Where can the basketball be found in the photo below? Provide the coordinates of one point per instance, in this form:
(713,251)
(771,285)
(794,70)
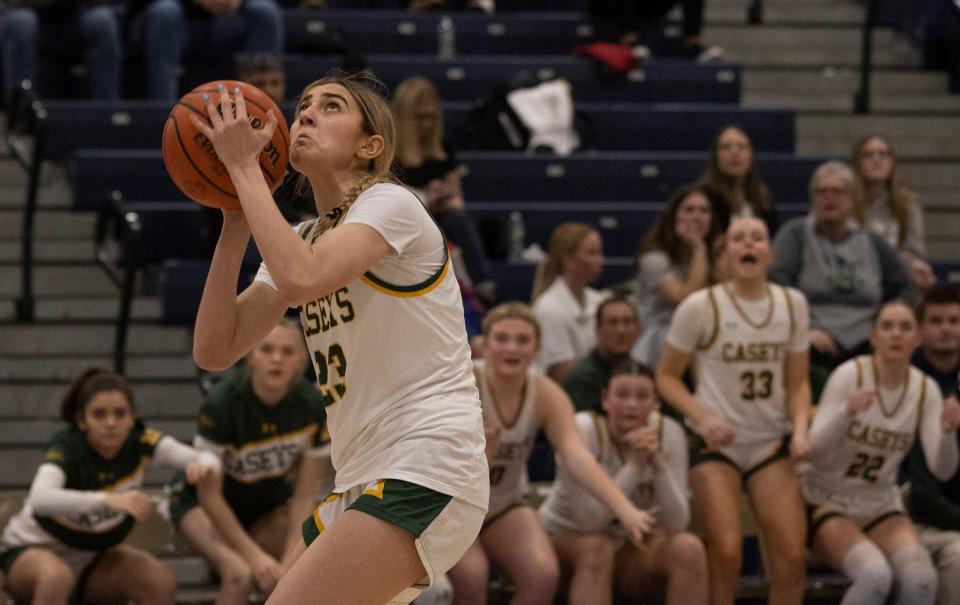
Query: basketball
(191,160)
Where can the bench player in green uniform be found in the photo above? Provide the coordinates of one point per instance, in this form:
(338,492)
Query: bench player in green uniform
(87,496)
(267,424)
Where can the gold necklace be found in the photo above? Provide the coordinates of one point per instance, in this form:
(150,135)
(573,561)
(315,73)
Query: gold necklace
(880,401)
(743,314)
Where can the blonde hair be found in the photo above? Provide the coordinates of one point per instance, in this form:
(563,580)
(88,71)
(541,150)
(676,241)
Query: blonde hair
(410,95)
(899,196)
(511,310)
(564,242)
(377,119)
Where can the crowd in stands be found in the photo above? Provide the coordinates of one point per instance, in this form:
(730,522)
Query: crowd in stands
(640,390)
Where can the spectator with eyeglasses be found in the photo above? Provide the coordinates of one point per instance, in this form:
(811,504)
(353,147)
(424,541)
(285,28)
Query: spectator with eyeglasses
(846,271)
(885,205)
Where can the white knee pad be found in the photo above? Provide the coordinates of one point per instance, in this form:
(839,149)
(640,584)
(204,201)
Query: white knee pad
(915,574)
(870,575)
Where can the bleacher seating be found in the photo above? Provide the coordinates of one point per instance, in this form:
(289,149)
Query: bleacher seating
(653,127)
(139,174)
(469,77)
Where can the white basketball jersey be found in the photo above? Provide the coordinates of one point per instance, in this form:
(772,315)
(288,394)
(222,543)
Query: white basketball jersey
(393,366)
(863,466)
(741,347)
(508,465)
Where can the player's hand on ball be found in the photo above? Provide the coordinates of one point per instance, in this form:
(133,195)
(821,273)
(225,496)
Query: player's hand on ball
(236,142)
(859,401)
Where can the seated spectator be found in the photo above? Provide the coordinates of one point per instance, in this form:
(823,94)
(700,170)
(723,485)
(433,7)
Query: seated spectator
(517,401)
(873,409)
(885,205)
(428,164)
(249,519)
(263,70)
(628,22)
(674,260)
(646,455)
(845,271)
(617,330)
(734,175)
(90,31)
(935,505)
(167,31)
(564,302)
(66,543)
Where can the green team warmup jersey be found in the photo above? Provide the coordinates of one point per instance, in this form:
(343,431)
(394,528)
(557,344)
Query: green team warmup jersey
(259,444)
(86,470)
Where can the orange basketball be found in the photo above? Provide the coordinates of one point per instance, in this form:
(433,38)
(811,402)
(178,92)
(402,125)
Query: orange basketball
(191,160)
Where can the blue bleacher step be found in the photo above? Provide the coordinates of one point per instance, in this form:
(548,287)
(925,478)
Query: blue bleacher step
(468,77)
(169,399)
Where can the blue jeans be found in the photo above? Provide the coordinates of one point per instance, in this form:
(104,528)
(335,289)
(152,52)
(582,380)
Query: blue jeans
(95,29)
(167,36)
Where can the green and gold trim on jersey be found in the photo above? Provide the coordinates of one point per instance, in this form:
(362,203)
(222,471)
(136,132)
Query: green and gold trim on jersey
(267,458)
(420,289)
(85,470)
(859,361)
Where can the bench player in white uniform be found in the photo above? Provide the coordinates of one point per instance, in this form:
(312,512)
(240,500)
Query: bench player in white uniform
(646,454)
(87,495)
(382,315)
(746,341)
(519,400)
(872,409)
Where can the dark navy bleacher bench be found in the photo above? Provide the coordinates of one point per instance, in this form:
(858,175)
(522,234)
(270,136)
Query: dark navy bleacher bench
(611,175)
(621,224)
(492,176)
(660,127)
(72,125)
(469,77)
(402,32)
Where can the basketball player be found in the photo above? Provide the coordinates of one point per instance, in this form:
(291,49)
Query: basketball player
(518,401)
(646,454)
(872,409)
(267,424)
(382,316)
(66,543)
(747,342)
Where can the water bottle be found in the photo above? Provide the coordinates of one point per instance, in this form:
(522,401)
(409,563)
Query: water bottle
(516,234)
(446,39)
